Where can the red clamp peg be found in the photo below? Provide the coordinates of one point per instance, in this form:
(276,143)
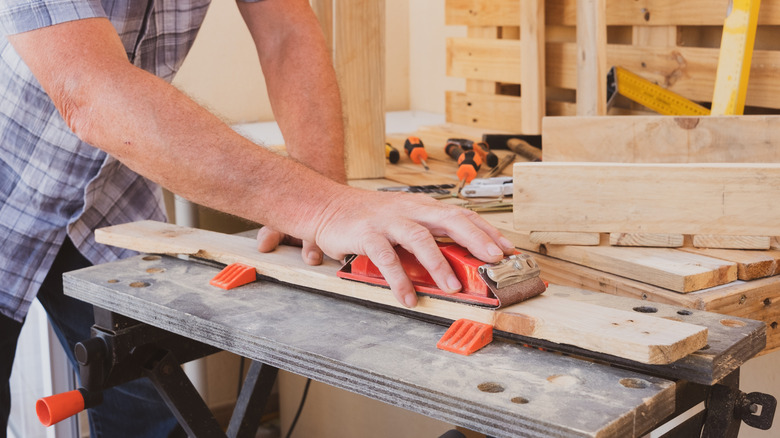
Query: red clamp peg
(234,275)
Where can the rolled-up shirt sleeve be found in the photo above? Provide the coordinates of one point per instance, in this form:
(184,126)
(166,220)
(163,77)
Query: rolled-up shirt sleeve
(17,16)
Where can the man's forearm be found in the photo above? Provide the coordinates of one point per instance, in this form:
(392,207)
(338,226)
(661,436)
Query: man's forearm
(301,83)
(159,132)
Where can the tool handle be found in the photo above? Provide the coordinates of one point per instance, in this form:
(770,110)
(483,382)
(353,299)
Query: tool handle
(392,153)
(488,157)
(469,163)
(415,150)
(453,150)
(525,150)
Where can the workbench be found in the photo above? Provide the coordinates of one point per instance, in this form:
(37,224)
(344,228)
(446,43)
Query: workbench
(505,389)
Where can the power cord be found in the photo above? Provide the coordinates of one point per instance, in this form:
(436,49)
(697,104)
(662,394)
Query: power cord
(300,408)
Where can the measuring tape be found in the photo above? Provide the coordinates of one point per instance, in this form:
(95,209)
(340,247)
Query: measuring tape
(736,53)
(653,96)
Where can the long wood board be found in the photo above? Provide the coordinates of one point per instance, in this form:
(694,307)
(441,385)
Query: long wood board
(719,198)
(631,335)
(662,139)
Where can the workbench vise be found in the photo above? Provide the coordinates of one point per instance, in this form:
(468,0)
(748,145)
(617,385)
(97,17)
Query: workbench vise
(119,351)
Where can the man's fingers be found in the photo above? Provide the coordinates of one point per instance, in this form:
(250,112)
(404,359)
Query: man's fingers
(474,233)
(311,253)
(419,241)
(382,254)
(268,239)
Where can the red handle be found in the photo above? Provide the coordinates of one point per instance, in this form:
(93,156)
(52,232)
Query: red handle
(57,407)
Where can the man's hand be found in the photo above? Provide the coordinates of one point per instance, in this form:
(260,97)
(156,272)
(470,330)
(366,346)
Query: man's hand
(372,223)
(268,239)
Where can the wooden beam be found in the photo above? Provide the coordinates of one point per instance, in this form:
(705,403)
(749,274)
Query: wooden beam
(532,74)
(720,198)
(489,111)
(358,50)
(591,57)
(730,242)
(630,335)
(664,267)
(750,264)
(648,139)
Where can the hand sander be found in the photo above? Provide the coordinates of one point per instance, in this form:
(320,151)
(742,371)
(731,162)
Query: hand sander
(495,285)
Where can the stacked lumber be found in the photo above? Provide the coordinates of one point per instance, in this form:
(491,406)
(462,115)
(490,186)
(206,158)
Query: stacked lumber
(741,283)
(672,43)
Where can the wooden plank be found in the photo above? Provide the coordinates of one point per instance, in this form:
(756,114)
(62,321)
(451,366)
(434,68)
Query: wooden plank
(488,111)
(646,239)
(635,336)
(481,85)
(359,59)
(732,199)
(730,242)
(532,74)
(485,59)
(758,299)
(619,12)
(656,139)
(664,267)
(564,238)
(750,264)
(591,57)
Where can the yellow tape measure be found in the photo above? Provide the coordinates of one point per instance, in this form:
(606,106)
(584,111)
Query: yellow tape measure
(736,53)
(653,96)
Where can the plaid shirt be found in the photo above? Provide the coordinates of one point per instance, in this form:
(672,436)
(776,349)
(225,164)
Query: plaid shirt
(51,183)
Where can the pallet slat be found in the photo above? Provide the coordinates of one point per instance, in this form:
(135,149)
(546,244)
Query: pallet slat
(726,199)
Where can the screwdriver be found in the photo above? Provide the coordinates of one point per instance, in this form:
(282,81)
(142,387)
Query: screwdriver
(488,157)
(392,153)
(416,151)
(469,162)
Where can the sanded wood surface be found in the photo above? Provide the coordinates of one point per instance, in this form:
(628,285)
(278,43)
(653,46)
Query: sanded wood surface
(502,390)
(646,239)
(633,336)
(662,139)
(729,199)
(665,267)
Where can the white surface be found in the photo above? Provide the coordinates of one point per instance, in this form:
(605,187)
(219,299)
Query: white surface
(396,122)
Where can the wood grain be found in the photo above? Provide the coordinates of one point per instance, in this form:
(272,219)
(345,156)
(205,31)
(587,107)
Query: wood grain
(631,335)
(727,199)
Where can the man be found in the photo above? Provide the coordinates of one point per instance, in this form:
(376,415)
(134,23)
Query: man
(86,106)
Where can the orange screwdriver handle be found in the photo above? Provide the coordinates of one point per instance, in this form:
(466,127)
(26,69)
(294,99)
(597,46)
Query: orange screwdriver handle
(415,150)
(469,163)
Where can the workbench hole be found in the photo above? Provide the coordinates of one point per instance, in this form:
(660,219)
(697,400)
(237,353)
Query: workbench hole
(563,380)
(645,309)
(112,281)
(491,387)
(155,270)
(684,312)
(151,258)
(139,284)
(632,382)
(732,323)
(519,400)
(767,301)
(773,325)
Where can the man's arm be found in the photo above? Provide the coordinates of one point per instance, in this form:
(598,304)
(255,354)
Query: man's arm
(157,131)
(303,92)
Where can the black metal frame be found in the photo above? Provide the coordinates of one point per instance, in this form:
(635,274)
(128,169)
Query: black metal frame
(122,349)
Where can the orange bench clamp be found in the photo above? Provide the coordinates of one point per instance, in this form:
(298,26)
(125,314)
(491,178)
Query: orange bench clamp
(234,275)
(465,337)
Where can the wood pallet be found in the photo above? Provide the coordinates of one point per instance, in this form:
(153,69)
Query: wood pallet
(672,43)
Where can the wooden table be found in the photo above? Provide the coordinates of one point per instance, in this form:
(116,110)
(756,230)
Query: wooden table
(505,389)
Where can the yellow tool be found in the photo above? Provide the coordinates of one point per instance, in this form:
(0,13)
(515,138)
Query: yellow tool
(736,53)
(653,96)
